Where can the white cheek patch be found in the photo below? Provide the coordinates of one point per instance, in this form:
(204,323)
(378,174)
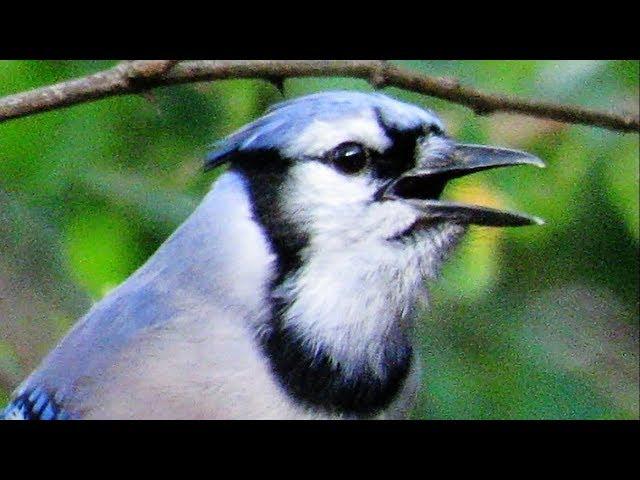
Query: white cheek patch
(338,211)
(321,136)
(315,184)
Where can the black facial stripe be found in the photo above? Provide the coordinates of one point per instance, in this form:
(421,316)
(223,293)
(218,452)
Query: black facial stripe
(401,156)
(311,378)
(398,158)
(266,173)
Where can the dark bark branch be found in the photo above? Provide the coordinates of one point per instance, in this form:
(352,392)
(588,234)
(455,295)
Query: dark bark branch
(141,75)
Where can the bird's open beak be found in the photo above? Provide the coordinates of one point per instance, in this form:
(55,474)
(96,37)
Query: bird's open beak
(421,187)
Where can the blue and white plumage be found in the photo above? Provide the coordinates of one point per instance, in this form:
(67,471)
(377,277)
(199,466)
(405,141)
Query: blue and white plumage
(290,291)
(284,125)
(34,404)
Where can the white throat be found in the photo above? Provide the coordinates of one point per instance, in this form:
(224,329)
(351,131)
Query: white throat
(356,291)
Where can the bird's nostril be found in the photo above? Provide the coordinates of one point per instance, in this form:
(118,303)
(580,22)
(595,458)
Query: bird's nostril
(421,188)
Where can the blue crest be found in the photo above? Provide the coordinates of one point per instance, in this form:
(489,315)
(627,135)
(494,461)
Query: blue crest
(284,121)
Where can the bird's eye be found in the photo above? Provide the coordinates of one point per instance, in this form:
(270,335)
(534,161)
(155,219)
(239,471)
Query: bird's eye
(349,157)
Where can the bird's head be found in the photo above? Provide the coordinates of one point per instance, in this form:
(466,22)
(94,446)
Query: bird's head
(349,171)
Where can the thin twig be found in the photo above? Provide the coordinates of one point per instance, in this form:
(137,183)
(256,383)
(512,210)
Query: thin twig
(142,75)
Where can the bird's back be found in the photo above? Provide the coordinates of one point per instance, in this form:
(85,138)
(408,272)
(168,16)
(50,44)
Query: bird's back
(175,340)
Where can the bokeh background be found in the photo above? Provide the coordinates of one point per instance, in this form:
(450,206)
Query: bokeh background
(538,322)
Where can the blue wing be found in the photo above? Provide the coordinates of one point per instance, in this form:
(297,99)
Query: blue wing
(34,404)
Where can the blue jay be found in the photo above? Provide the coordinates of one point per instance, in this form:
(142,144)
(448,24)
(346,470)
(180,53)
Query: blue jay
(291,291)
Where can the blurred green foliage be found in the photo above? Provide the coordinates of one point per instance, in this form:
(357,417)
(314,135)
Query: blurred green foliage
(525,323)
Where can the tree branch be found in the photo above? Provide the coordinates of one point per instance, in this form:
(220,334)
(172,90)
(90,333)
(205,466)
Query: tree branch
(142,75)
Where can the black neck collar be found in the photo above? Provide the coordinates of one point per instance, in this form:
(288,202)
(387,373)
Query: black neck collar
(313,378)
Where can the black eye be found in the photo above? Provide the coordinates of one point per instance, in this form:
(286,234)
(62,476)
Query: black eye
(349,157)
